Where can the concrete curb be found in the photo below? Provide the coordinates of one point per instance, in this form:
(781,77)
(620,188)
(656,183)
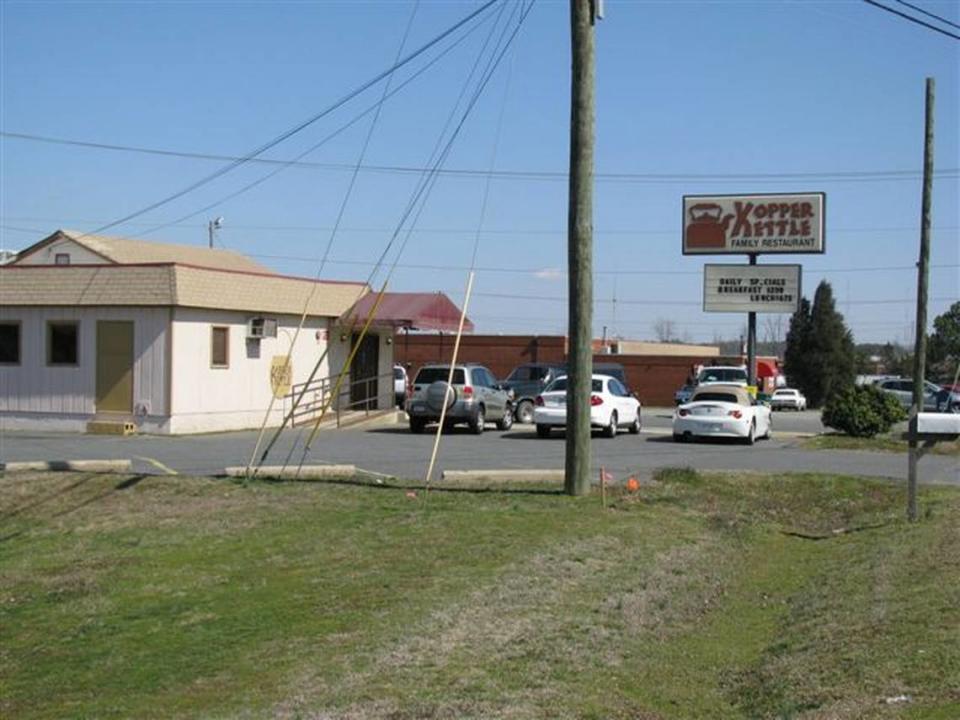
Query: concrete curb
(307,472)
(69,466)
(502,476)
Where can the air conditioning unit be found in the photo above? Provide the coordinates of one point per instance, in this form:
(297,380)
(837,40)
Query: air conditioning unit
(260,327)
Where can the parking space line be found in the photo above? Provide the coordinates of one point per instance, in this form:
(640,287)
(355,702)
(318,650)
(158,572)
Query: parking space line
(159,465)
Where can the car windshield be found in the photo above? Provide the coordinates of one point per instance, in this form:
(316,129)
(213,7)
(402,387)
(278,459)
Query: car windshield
(786,392)
(397,374)
(715,397)
(429,375)
(722,375)
(560,385)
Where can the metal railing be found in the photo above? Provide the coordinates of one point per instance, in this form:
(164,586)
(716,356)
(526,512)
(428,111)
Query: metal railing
(380,397)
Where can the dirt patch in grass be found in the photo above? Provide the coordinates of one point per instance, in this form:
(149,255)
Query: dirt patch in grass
(882,443)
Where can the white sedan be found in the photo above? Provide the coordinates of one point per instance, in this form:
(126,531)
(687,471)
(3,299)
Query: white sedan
(611,407)
(722,411)
(787,398)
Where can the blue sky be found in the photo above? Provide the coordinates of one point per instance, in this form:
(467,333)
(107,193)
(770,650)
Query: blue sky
(816,90)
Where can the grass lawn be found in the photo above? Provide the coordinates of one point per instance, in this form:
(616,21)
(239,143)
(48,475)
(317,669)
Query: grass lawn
(887,443)
(705,596)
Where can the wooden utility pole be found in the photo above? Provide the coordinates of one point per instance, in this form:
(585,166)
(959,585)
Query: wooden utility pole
(920,345)
(580,250)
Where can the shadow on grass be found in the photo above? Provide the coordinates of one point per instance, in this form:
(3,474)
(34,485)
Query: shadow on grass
(122,485)
(400,484)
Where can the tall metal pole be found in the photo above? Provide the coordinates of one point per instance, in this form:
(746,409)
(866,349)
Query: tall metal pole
(580,250)
(752,340)
(920,345)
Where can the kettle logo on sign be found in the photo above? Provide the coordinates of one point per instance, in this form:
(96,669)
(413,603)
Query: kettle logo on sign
(705,229)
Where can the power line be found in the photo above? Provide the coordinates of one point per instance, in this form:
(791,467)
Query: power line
(375,108)
(912,19)
(549,175)
(433,267)
(300,126)
(659,302)
(929,14)
(440,230)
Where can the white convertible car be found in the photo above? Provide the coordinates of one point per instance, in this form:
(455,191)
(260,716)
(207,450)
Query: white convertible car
(722,411)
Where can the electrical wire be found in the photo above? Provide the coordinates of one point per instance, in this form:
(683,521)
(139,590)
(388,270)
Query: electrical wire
(300,126)
(610,177)
(929,14)
(912,19)
(420,197)
(375,108)
(420,193)
(463,231)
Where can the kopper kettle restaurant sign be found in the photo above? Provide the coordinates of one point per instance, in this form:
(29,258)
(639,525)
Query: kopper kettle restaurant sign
(751,288)
(719,224)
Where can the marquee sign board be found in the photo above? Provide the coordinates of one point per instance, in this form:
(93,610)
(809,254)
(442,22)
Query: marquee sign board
(727,224)
(751,288)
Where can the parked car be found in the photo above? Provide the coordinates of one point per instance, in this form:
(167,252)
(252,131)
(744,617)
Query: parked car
(725,374)
(400,384)
(718,410)
(683,395)
(935,398)
(788,399)
(473,398)
(527,381)
(612,406)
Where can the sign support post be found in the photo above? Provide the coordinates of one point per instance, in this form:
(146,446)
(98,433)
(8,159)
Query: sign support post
(752,340)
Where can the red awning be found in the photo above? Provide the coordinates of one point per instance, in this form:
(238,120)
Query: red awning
(417,311)
(766,369)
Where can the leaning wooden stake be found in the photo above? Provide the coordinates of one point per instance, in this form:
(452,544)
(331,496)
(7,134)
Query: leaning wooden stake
(453,363)
(603,487)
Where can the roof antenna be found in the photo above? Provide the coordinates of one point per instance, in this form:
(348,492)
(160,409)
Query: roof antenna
(211,226)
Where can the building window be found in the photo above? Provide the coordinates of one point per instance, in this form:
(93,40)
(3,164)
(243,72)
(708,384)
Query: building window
(62,340)
(9,343)
(219,347)
(62,259)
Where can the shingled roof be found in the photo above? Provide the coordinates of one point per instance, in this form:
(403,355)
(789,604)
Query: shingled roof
(141,273)
(130,251)
(169,284)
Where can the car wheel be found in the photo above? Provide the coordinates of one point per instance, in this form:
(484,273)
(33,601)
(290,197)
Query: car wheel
(525,412)
(417,426)
(751,434)
(543,431)
(611,429)
(635,425)
(476,425)
(506,422)
(677,437)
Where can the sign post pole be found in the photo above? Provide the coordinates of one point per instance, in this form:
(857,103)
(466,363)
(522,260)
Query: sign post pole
(752,340)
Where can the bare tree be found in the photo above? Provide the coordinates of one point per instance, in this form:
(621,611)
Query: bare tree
(773,328)
(665,330)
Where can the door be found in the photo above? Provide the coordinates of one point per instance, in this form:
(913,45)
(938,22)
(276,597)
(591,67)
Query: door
(363,373)
(494,400)
(114,366)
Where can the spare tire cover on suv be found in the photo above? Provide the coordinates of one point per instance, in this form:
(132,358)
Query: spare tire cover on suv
(437,392)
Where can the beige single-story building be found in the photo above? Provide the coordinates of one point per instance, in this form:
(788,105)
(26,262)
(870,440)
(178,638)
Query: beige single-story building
(173,338)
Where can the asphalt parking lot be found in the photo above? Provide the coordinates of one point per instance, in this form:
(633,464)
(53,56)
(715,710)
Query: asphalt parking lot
(393,450)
